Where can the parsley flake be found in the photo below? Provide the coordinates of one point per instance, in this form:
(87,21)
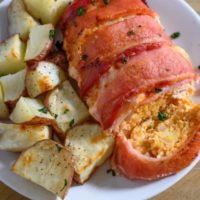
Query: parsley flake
(71,123)
(66,111)
(162,116)
(158,90)
(55,116)
(111,171)
(81,11)
(175,35)
(43,110)
(58,147)
(199,67)
(65,184)
(124,60)
(130,33)
(52,34)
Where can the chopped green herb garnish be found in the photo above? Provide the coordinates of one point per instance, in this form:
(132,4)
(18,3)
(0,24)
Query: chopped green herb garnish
(199,67)
(52,34)
(175,35)
(162,116)
(59,45)
(158,90)
(43,110)
(84,57)
(65,184)
(81,11)
(55,116)
(130,33)
(106,2)
(66,111)
(58,147)
(124,60)
(111,171)
(71,123)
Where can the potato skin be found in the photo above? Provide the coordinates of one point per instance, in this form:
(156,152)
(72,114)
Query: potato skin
(134,165)
(32,64)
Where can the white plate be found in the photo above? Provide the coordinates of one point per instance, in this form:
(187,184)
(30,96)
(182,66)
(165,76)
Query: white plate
(175,15)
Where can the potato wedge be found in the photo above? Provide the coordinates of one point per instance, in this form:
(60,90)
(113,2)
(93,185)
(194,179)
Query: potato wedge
(30,111)
(43,78)
(12,55)
(19,20)
(48,11)
(68,109)
(17,138)
(40,43)
(13,86)
(90,147)
(47,164)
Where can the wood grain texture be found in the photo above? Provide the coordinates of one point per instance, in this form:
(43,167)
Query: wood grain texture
(186,189)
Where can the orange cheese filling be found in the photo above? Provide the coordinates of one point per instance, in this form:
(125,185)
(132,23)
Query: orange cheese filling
(160,128)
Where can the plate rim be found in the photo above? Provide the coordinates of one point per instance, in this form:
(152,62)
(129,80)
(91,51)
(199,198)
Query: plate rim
(182,173)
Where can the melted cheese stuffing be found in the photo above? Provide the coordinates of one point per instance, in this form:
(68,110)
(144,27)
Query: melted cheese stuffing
(156,138)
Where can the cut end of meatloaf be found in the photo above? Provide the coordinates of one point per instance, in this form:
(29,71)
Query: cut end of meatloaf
(159,129)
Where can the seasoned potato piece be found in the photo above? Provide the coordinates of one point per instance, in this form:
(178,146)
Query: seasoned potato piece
(13,85)
(18,138)
(90,147)
(19,19)
(39,43)
(47,164)
(30,111)
(43,78)
(4,113)
(48,11)
(67,108)
(12,55)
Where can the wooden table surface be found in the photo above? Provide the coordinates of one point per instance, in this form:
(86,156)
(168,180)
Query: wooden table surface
(186,189)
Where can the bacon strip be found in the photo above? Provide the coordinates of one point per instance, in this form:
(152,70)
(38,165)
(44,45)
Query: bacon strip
(141,73)
(134,165)
(73,25)
(91,74)
(115,38)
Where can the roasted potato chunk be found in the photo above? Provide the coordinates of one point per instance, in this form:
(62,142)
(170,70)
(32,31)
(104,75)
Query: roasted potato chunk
(47,11)
(12,55)
(43,78)
(30,111)
(13,86)
(47,164)
(90,147)
(18,138)
(68,109)
(20,22)
(40,43)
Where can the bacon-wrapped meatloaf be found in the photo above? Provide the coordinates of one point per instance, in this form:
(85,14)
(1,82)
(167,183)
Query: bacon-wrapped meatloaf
(136,83)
